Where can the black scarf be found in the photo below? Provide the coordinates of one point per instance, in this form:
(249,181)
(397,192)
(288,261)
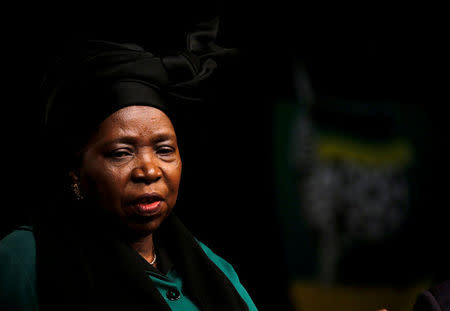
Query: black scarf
(79,268)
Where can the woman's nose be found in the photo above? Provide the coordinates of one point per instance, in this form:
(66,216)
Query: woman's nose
(146,171)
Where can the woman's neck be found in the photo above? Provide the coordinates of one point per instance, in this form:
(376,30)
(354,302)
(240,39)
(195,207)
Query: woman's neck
(145,247)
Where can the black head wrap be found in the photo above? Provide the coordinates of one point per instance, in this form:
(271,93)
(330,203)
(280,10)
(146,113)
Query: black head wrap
(79,268)
(92,80)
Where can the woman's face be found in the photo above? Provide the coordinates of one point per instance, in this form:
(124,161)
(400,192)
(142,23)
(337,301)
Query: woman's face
(132,167)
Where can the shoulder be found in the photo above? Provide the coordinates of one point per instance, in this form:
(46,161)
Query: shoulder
(230,273)
(437,298)
(20,239)
(18,248)
(18,270)
(221,263)
(19,245)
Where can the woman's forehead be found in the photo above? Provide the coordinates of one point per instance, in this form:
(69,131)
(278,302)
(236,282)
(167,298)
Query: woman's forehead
(136,121)
(136,117)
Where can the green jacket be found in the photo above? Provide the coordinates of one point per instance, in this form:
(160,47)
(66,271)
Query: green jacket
(18,276)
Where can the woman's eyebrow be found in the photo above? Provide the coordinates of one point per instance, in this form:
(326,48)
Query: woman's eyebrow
(163,137)
(131,140)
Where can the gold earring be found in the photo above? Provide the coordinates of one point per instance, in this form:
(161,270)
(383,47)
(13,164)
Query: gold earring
(76,191)
(76,186)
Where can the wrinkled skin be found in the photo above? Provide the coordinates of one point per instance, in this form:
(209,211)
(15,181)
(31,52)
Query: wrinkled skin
(133,153)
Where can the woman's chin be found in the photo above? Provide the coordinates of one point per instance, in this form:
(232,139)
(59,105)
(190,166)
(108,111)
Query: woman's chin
(144,226)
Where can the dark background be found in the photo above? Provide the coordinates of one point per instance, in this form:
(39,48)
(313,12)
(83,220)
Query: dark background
(228,188)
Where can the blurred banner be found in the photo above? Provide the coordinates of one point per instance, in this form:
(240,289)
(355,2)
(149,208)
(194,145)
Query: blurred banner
(348,174)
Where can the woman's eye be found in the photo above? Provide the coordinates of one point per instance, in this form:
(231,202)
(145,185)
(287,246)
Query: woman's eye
(120,153)
(166,150)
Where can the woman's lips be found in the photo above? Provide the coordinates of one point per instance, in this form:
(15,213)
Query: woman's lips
(147,204)
(147,209)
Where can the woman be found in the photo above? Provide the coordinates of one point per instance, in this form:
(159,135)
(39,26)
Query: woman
(108,239)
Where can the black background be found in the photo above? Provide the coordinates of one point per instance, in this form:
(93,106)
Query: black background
(228,196)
